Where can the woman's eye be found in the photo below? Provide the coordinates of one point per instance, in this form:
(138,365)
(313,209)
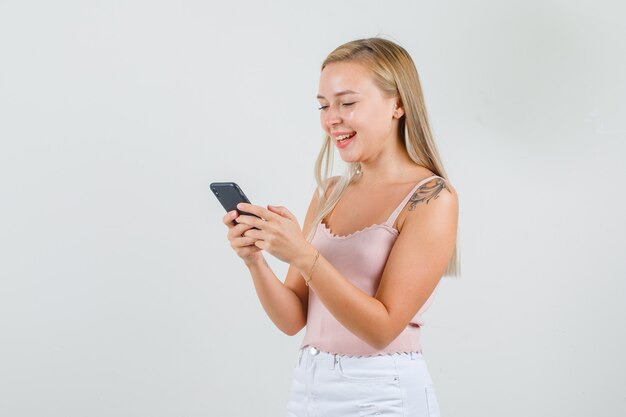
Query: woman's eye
(343,104)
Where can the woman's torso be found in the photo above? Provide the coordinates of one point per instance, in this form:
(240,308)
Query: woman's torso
(356,237)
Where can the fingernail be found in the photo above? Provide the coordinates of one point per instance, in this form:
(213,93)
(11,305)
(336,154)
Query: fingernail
(233,214)
(240,206)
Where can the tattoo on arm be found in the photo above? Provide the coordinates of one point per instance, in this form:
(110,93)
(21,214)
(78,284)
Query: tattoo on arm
(427,193)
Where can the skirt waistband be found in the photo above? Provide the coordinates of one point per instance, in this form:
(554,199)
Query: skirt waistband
(321,354)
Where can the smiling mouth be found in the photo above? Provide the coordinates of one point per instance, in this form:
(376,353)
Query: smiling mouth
(344,138)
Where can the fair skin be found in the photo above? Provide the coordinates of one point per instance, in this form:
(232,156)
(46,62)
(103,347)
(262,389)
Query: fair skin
(427,226)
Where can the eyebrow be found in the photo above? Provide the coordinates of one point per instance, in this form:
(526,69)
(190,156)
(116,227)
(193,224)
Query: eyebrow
(341,93)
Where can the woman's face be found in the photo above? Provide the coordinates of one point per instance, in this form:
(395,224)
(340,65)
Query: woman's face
(352,106)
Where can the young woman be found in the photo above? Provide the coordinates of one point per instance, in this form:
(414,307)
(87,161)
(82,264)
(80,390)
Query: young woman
(375,243)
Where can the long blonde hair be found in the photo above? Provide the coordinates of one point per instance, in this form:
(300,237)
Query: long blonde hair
(395,74)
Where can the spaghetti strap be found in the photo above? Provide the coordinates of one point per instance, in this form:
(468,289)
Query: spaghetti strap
(398,209)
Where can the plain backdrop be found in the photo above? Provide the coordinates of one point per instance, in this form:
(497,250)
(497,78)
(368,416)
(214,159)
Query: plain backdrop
(119,293)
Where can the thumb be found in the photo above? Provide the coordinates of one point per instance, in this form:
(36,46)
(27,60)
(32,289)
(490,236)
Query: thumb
(282,211)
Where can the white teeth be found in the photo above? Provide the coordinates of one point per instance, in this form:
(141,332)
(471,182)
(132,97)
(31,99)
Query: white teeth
(342,137)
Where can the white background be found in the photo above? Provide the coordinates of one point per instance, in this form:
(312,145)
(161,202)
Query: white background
(119,293)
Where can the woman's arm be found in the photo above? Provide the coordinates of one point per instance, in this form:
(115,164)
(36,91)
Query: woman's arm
(285,304)
(282,305)
(415,265)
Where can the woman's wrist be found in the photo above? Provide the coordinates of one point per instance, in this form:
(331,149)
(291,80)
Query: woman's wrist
(306,258)
(255,262)
(309,276)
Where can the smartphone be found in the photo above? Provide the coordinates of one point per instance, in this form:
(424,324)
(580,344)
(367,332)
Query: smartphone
(229,195)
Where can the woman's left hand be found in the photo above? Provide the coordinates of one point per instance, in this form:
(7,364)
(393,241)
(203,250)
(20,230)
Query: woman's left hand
(279,232)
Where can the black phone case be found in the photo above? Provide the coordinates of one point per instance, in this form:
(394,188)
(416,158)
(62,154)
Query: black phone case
(229,195)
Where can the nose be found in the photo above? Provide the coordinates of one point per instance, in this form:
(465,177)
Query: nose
(331,116)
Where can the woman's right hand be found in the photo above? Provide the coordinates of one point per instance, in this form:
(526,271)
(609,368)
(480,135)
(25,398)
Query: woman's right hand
(243,245)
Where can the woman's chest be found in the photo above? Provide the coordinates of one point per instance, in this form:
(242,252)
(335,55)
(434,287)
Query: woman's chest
(360,257)
(358,209)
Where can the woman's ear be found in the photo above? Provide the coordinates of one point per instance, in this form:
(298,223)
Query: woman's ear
(398,111)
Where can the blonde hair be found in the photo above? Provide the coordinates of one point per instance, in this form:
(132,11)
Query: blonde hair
(395,74)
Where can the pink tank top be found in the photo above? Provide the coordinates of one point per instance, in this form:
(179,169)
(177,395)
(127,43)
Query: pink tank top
(360,257)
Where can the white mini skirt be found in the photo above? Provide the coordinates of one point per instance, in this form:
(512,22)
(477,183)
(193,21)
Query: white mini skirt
(329,385)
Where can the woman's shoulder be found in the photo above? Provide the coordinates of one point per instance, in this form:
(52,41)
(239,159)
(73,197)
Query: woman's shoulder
(434,179)
(444,183)
(434,187)
(435,200)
